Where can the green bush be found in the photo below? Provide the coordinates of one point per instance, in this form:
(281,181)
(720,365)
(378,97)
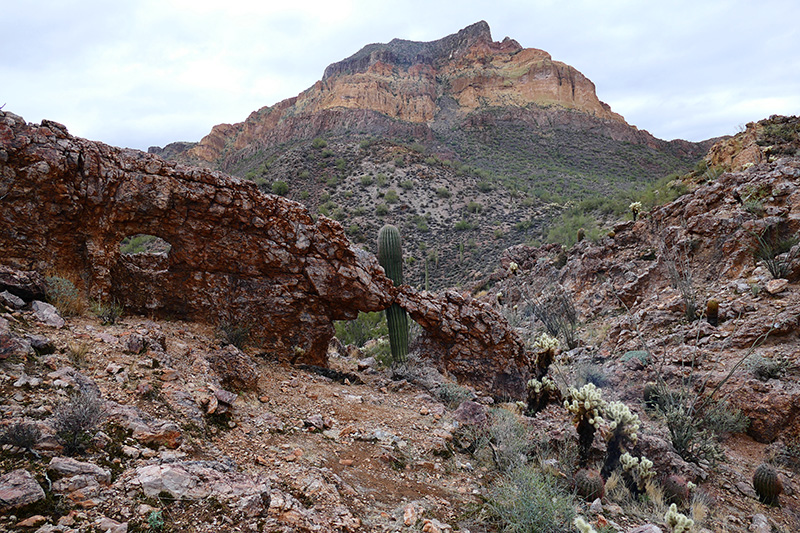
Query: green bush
(442,192)
(391,197)
(366,180)
(474,207)
(280,188)
(382,179)
(381,210)
(463,225)
(530,500)
(565,230)
(407,185)
(63,294)
(365,327)
(327,152)
(319,143)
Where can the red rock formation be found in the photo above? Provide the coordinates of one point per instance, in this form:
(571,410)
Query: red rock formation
(237,255)
(457,329)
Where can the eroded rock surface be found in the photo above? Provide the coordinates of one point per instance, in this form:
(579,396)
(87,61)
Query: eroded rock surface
(457,328)
(237,256)
(69,202)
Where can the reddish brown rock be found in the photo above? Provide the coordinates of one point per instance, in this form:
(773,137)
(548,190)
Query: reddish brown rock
(396,89)
(19,488)
(236,252)
(27,285)
(233,368)
(470,340)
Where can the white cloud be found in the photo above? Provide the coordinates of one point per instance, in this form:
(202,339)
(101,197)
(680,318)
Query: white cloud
(151,72)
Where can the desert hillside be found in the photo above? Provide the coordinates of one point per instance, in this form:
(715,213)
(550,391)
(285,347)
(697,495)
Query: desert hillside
(195,388)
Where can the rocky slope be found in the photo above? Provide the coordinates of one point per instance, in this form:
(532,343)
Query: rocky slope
(198,436)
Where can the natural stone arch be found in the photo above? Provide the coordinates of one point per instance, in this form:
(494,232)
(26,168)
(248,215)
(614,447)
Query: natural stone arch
(237,254)
(236,251)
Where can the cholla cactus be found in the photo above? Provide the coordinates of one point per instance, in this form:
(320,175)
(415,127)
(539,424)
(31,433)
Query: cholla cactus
(636,208)
(540,393)
(583,526)
(679,523)
(546,343)
(586,405)
(622,426)
(545,348)
(636,472)
(513,267)
(621,421)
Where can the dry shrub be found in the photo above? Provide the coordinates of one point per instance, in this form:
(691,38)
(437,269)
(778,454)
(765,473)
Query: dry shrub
(61,291)
(75,419)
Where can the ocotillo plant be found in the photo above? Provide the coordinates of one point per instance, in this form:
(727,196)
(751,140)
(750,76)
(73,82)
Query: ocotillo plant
(390,256)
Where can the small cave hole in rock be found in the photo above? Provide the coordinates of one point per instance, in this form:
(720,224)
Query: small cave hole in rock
(144,244)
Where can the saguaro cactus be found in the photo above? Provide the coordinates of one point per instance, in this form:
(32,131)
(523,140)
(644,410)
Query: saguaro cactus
(390,256)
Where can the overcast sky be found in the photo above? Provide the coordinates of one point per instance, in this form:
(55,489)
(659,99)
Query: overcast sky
(138,73)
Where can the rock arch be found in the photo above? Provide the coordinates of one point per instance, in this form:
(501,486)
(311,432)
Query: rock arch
(237,254)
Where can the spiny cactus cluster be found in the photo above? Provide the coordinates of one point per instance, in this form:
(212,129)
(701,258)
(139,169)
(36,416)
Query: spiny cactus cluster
(636,471)
(589,484)
(546,384)
(545,348)
(622,427)
(540,393)
(636,208)
(621,421)
(677,522)
(767,484)
(546,343)
(586,405)
(583,526)
(390,257)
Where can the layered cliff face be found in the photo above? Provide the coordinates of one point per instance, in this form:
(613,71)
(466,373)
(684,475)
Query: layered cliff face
(415,84)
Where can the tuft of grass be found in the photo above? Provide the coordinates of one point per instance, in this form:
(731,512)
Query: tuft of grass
(530,500)
(77,352)
(235,334)
(453,394)
(62,293)
(22,435)
(107,312)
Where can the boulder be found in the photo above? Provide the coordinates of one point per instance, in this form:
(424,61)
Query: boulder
(68,467)
(204,479)
(47,314)
(26,285)
(470,340)
(19,488)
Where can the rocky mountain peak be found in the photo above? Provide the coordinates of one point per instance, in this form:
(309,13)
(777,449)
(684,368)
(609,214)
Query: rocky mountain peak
(405,53)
